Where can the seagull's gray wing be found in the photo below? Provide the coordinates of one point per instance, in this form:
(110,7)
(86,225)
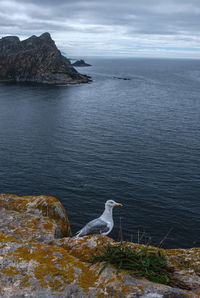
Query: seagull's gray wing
(96,226)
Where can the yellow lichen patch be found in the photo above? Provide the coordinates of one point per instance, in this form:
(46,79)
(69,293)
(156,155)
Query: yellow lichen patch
(54,262)
(11,271)
(5,238)
(25,282)
(87,278)
(17,231)
(126,289)
(141,288)
(48,226)
(57,285)
(35,222)
(6,196)
(100,295)
(2,246)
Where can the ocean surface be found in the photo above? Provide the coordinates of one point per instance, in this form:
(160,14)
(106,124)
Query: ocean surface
(135,141)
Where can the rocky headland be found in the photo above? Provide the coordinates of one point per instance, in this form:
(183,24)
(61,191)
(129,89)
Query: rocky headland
(80,63)
(39,258)
(36,59)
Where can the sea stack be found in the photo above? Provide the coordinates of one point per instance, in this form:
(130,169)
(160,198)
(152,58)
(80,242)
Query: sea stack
(81,63)
(36,59)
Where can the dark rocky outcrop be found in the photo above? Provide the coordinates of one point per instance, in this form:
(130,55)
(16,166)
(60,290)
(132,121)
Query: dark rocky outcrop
(80,63)
(36,59)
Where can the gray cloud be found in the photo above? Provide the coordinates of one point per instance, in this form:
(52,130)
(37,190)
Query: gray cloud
(123,25)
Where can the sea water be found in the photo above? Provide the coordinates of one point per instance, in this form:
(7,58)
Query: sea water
(132,135)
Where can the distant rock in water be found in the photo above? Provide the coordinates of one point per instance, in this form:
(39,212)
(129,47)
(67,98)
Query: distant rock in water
(125,79)
(80,63)
(36,59)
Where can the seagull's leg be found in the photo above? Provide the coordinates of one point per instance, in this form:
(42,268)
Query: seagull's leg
(101,235)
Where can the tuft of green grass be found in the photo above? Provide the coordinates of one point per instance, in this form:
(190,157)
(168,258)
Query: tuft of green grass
(142,263)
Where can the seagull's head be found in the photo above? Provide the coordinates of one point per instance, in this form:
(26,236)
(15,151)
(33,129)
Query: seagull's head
(110,204)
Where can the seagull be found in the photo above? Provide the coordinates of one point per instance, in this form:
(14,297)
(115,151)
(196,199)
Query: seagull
(101,225)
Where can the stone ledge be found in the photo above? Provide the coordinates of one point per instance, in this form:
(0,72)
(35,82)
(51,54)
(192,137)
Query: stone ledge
(34,262)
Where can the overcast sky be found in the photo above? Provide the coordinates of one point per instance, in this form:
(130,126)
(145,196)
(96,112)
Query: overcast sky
(150,28)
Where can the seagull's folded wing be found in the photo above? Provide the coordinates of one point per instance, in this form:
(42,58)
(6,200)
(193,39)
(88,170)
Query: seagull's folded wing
(96,226)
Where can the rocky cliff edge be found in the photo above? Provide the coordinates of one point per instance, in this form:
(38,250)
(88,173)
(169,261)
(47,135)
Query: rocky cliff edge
(38,258)
(36,59)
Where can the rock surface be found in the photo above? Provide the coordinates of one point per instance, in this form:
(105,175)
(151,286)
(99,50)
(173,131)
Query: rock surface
(36,59)
(33,218)
(81,63)
(35,263)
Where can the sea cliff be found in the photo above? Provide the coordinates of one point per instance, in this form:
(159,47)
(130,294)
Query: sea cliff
(36,59)
(39,258)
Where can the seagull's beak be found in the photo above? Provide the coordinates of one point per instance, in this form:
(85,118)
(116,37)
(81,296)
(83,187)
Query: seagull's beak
(118,204)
